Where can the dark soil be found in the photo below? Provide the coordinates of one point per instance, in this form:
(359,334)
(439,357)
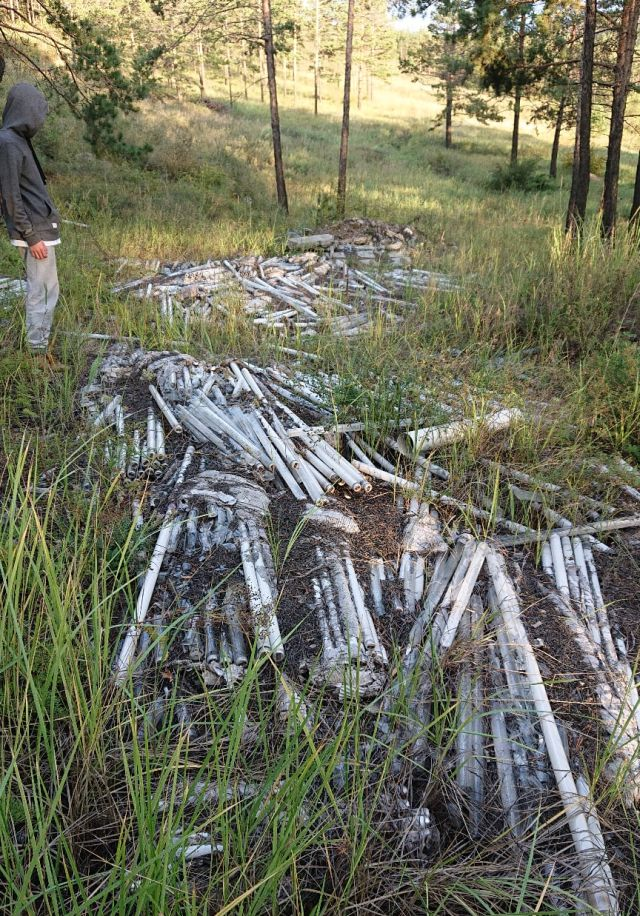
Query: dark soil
(620,580)
(380,524)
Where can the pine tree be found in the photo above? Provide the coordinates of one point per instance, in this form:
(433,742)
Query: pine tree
(577,208)
(346,108)
(627,36)
(555,96)
(510,52)
(269,53)
(443,57)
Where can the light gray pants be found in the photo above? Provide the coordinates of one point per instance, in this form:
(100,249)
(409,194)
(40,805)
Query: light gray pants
(42,297)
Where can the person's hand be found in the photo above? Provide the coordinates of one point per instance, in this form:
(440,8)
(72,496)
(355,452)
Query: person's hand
(39,251)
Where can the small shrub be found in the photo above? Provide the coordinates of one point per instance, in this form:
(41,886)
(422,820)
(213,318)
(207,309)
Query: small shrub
(611,396)
(325,207)
(598,162)
(440,164)
(518,176)
(177,157)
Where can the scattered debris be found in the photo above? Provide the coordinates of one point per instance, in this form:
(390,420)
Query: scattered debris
(300,292)
(368,240)
(216,105)
(309,242)
(225,450)
(426,440)
(10,287)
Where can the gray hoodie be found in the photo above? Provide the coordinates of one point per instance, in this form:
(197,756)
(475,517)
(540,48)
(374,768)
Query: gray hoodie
(26,206)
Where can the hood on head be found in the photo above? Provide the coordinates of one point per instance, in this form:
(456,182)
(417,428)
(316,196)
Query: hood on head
(25,110)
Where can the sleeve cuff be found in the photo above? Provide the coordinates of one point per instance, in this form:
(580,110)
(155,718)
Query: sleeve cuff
(32,239)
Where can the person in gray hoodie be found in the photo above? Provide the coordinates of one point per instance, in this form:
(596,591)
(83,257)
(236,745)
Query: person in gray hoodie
(31,218)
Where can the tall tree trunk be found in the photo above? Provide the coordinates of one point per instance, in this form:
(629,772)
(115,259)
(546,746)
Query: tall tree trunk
(344,139)
(448,112)
(634,215)
(201,70)
(245,81)
(372,57)
(517,101)
(175,78)
(515,133)
(228,69)
(553,165)
(579,193)
(621,76)
(316,60)
(285,79)
(294,66)
(261,65)
(269,54)
(359,102)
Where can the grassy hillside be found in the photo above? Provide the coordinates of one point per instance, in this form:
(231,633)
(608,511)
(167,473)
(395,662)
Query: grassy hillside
(535,321)
(208,191)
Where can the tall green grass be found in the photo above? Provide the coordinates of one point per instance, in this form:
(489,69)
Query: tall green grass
(536,322)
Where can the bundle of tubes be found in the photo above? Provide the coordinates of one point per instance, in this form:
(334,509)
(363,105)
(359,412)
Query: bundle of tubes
(353,657)
(10,287)
(251,416)
(576,594)
(505,718)
(212,510)
(420,279)
(247,439)
(135,452)
(243,413)
(595,882)
(294,293)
